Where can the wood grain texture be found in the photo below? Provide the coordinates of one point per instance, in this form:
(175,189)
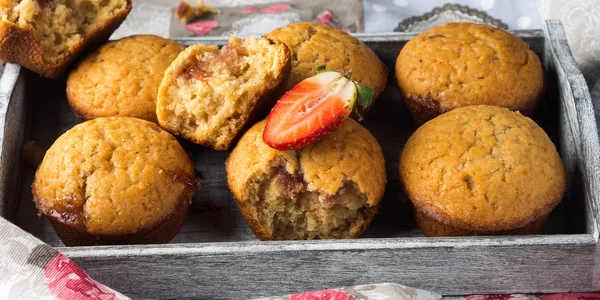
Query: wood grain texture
(215,256)
(575,97)
(12,120)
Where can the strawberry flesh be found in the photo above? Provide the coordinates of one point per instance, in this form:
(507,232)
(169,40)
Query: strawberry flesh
(310,110)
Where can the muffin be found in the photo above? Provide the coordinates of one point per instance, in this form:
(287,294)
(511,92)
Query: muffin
(121,78)
(208,95)
(313,44)
(45,36)
(327,190)
(115,181)
(462,64)
(481,170)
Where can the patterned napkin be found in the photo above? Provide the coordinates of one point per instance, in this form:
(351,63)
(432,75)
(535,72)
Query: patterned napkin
(371,291)
(30,269)
(565,296)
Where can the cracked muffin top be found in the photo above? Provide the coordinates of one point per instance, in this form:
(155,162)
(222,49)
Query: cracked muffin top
(114,176)
(482,168)
(350,154)
(121,78)
(313,44)
(461,64)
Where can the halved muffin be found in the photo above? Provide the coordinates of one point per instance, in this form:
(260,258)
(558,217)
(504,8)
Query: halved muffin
(207,95)
(45,36)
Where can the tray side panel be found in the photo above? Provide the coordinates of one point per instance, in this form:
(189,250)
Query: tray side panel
(12,128)
(449,271)
(580,121)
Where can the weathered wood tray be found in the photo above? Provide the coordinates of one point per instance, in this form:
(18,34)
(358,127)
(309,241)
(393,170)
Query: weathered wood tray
(216,256)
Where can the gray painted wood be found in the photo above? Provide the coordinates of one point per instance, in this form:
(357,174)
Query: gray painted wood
(12,120)
(216,256)
(577,103)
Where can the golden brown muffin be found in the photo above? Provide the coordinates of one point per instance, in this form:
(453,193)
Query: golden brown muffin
(461,64)
(121,78)
(45,36)
(330,189)
(115,181)
(313,44)
(208,95)
(481,170)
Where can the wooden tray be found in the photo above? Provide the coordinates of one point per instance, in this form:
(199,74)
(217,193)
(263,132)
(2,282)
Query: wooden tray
(216,256)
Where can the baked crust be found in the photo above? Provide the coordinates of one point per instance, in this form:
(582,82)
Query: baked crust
(432,227)
(482,169)
(313,44)
(462,64)
(121,78)
(18,45)
(115,180)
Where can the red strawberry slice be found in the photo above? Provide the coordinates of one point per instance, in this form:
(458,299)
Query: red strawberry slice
(313,108)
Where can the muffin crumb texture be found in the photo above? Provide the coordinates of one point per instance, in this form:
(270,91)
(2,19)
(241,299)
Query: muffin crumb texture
(330,189)
(208,95)
(59,28)
(112,178)
(482,168)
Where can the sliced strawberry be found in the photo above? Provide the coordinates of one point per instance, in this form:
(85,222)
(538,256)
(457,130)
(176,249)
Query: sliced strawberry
(313,108)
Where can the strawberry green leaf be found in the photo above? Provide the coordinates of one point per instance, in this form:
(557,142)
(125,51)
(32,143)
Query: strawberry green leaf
(365,99)
(321,68)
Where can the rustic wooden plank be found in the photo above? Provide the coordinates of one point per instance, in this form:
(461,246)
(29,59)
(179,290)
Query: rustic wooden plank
(12,120)
(449,270)
(575,97)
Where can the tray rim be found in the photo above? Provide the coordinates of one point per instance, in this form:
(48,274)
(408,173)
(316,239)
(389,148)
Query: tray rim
(364,37)
(362,244)
(575,80)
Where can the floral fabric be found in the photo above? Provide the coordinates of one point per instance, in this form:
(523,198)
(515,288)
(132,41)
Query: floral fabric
(30,269)
(364,292)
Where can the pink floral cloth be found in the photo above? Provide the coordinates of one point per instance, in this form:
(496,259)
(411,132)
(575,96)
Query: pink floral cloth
(564,296)
(364,292)
(322,295)
(30,269)
(66,280)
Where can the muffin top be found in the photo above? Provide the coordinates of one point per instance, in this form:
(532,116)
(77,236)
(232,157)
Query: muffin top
(121,78)
(350,154)
(313,44)
(114,176)
(482,168)
(461,64)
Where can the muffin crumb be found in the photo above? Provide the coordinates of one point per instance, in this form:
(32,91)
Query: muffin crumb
(45,36)
(207,95)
